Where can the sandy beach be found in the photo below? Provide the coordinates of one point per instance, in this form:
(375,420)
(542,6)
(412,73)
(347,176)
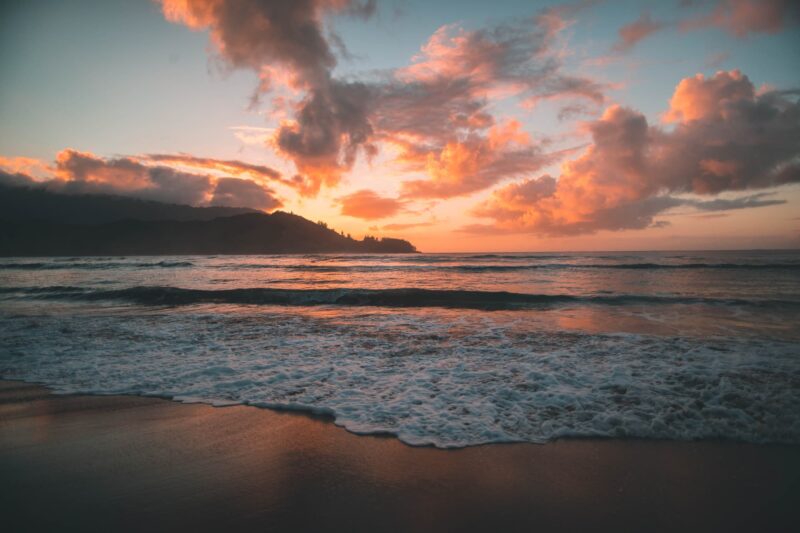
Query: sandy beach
(132,463)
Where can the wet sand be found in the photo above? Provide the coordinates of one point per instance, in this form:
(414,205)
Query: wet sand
(130,463)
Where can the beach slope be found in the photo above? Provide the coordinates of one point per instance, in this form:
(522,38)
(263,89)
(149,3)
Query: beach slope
(131,463)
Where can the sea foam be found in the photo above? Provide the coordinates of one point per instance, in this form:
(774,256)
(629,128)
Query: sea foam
(432,377)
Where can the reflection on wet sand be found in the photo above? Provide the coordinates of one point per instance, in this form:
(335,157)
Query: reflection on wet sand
(128,462)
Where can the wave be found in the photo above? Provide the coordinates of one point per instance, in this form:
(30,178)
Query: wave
(414,377)
(648,266)
(57,265)
(625,266)
(425,266)
(480,268)
(404,297)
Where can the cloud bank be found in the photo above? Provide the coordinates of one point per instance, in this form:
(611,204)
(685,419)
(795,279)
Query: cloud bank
(726,137)
(436,114)
(76,172)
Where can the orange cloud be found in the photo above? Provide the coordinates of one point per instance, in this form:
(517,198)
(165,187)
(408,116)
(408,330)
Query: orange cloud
(433,110)
(401,227)
(28,165)
(368,205)
(123,174)
(475,163)
(436,112)
(697,97)
(727,138)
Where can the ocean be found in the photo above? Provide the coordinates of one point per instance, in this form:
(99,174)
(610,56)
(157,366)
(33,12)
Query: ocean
(449,350)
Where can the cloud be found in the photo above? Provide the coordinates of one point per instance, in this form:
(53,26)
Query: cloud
(25,165)
(83,172)
(19,171)
(243,193)
(743,202)
(76,172)
(632,33)
(260,173)
(743,17)
(740,18)
(401,227)
(459,72)
(727,137)
(701,98)
(16,179)
(472,164)
(285,42)
(253,135)
(711,215)
(429,111)
(437,112)
(368,205)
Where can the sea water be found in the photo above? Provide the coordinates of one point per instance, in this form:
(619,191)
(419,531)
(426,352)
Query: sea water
(442,349)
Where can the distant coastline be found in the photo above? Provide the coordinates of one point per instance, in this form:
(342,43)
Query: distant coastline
(39,223)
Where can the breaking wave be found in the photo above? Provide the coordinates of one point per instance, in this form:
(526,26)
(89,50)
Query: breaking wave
(404,297)
(94,265)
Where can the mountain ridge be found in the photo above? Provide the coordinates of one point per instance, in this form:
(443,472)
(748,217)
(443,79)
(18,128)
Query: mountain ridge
(39,232)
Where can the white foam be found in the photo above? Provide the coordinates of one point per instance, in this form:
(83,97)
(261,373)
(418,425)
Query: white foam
(433,376)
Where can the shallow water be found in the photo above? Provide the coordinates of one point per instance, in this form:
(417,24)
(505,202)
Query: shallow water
(443,349)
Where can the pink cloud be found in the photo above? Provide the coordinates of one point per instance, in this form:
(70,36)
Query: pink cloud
(740,18)
(286,42)
(697,97)
(431,110)
(743,17)
(727,138)
(631,34)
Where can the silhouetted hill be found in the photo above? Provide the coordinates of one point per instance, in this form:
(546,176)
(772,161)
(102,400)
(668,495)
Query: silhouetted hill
(39,204)
(251,233)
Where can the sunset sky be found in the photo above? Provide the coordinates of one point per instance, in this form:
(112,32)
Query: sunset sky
(459,125)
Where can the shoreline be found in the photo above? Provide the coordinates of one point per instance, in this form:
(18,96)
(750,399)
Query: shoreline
(133,463)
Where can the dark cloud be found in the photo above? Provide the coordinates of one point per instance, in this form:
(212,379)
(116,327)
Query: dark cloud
(260,173)
(16,179)
(243,193)
(78,172)
(286,41)
(227,165)
(82,173)
(329,128)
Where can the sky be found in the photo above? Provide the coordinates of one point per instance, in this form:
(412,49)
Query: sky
(458,125)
